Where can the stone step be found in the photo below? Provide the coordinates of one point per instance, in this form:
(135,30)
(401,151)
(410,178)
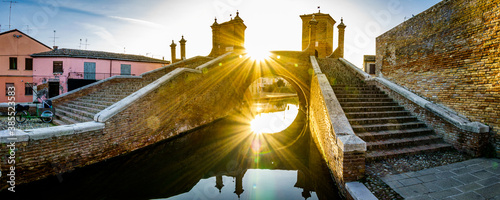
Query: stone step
(354,87)
(106,93)
(64,120)
(357,109)
(101,95)
(74,116)
(385,154)
(76,111)
(84,108)
(354,115)
(89,105)
(342,92)
(367,104)
(392,126)
(106,103)
(59,122)
(403,142)
(391,134)
(386,99)
(361,95)
(103,98)
(383,120)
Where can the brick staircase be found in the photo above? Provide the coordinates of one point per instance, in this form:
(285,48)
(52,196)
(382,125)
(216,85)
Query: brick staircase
(386,127)
(84,108)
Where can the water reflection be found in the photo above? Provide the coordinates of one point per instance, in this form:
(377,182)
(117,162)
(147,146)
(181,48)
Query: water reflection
(274,105)
(223,160)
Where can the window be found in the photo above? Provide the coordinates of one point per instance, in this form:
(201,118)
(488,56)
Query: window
(9,89)
(372,69)
(125,69)
(57,67)
(13,63)
(29,64)
(28,89)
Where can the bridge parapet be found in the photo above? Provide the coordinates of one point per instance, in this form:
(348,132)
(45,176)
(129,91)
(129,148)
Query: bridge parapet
(334,136)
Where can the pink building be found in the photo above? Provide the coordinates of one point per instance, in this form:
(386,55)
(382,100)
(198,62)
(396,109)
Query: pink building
(62,70)
(16,64)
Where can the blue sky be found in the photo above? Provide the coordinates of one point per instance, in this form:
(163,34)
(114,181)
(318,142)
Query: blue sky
(148,27)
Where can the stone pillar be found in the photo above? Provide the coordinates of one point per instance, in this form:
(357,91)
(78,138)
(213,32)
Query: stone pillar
(341,28)
(215,39)
(172,50)
(183,48)
(312,36)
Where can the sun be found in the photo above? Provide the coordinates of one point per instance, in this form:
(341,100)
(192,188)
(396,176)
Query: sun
(258,54)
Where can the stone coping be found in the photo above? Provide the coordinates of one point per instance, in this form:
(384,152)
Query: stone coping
(48,132)
(121,105)
(346,138)
(442,111)
(358,191)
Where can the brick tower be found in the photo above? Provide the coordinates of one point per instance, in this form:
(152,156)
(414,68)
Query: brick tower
(324,33)
(228,36)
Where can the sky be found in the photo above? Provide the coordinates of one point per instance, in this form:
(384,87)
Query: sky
(147,27)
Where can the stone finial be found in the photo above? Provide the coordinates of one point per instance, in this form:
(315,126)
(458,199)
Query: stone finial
(182,40)
(341,25)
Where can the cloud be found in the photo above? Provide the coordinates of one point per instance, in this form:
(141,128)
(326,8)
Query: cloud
(138,21)
(101,32)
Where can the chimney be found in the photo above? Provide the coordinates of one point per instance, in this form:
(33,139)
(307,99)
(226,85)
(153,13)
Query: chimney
(183,48)
(55,47)
(172,49)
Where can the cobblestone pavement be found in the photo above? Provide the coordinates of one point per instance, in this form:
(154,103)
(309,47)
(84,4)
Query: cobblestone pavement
(472,179)
(29,124)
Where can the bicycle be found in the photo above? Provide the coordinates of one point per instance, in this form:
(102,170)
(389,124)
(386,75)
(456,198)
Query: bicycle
(22,111)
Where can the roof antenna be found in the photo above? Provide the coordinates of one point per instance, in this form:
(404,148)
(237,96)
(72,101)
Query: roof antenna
(28,29)
(86,44)
(80,47)
(10,9)
(54,38)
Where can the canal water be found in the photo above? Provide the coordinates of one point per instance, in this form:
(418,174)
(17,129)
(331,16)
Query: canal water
(232,158)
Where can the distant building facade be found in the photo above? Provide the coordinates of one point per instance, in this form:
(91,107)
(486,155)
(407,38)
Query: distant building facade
(317,35)
(16,64)
(62,70)
(369,64)
(228,36)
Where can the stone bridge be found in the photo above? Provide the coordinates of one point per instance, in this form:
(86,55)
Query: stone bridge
(101,123)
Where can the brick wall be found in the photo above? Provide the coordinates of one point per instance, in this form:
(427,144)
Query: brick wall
(449,54)
(337,73)
(37,159)
(475,144)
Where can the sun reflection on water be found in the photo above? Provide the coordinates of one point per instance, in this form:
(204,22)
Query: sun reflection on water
(275,121)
